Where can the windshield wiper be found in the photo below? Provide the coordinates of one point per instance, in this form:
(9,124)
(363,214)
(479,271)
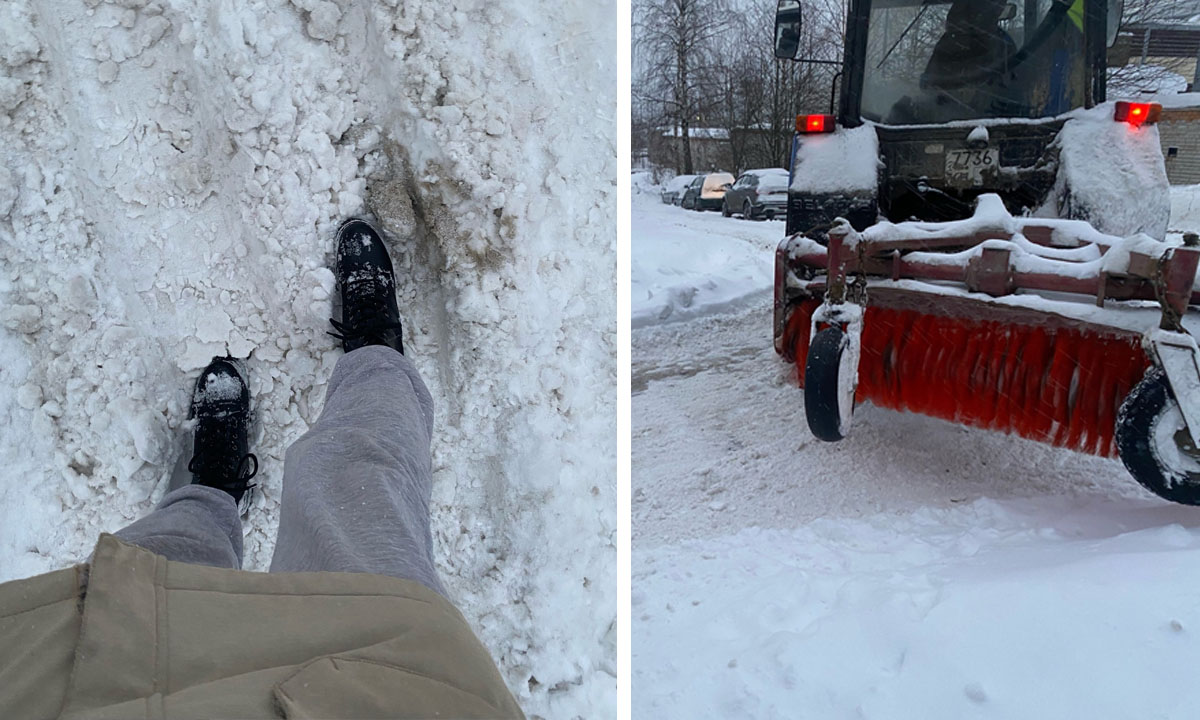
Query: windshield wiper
(924,7)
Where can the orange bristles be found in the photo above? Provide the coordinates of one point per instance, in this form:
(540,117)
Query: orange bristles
(1059,385)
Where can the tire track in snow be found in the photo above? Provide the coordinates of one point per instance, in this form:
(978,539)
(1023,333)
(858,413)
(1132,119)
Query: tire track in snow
(720,443)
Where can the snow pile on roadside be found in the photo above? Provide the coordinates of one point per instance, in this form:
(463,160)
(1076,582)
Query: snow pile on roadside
(1051,607)
(1173,100)
(686,263)
(643,182)
(1185,209)
(171,175)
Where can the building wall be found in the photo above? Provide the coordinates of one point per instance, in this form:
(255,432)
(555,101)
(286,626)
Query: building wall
(707,154)
(1179,132)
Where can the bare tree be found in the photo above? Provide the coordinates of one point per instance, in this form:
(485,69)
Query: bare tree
(791,88)
(674,48)
(1129,72)
(712,61)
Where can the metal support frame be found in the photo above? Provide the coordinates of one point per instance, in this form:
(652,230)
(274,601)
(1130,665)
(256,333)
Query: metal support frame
(1179,357)
(1166,278)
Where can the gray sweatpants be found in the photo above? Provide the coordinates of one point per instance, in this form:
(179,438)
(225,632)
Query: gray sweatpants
(356,486)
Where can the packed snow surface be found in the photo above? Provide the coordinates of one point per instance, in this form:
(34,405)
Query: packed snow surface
(916,569)
(1044,607)
(695,262)
(171,176)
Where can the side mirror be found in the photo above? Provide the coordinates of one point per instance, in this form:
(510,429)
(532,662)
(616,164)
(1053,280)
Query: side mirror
(728,186)
(787,29)
(1116,8)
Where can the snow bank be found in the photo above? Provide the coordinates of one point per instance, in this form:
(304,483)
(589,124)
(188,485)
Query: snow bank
(1176,100)
(173,173)
(1052,607)
(686,263)
(1185,208)
(643,182)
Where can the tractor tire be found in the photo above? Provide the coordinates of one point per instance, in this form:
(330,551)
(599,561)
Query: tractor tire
(725,212)
(822,386)
(1149,434)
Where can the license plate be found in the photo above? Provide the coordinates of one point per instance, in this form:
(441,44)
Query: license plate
(968,168)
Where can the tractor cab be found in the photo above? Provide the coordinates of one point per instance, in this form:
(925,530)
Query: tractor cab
(964,97)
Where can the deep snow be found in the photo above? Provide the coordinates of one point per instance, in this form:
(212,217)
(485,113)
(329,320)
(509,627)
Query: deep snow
(695,262)
(171,173)
(917,569)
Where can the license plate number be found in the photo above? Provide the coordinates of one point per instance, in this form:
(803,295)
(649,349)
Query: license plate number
(970,167)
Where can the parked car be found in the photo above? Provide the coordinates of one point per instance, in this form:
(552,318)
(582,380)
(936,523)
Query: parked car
(706,192)
(673,188)
(758,194)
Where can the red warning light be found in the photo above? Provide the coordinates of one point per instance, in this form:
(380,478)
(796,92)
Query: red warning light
(1137,114)
(814,123)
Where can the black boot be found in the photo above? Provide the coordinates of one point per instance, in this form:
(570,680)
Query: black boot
(221,457)
(368,287)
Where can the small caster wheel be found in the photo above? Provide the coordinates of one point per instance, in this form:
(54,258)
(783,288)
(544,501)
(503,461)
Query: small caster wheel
(829,385)
(1154,443)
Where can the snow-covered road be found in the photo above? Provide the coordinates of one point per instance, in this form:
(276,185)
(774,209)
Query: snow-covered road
(915,570)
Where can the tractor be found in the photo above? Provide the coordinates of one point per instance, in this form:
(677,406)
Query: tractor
(977,233)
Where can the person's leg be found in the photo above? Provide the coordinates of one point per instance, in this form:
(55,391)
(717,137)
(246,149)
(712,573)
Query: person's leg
(356,486)
(194,524)
(200,523)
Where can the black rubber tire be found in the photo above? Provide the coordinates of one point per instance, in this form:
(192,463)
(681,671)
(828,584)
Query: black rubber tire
(821,384)
(1144,406)
(747,211)
(725,209)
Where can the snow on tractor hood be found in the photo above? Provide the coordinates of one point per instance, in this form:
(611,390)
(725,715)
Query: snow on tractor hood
(844,161)
(1110,173)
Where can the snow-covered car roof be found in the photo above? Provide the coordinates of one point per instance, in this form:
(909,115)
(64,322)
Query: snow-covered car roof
(679,182)
(772,181)
(766,171)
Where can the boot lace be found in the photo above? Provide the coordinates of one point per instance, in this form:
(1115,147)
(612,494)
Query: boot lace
(216,462)
(366,315)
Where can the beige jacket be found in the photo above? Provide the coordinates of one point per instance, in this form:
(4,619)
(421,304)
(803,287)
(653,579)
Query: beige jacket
(134,635)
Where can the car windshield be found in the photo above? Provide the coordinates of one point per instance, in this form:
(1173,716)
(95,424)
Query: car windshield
(716,180)
(935,61)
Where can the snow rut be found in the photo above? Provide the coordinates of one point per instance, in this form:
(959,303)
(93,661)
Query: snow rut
(176,171)
(719,443)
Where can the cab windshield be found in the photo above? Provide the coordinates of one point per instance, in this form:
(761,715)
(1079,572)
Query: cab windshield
(934,61)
